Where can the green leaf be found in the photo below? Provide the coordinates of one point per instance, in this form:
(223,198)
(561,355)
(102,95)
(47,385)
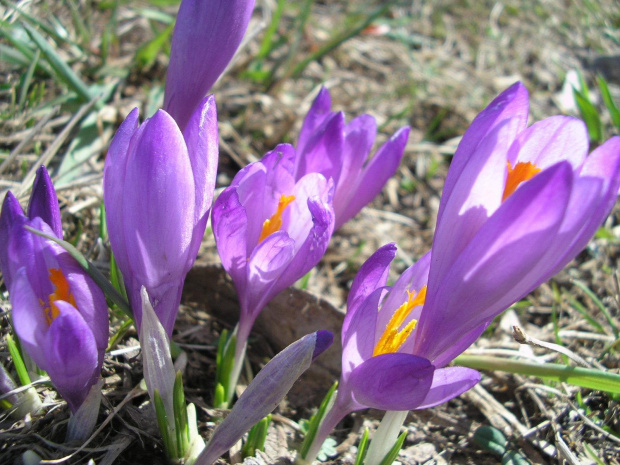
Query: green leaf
(316,420)
(256,438)
(609,102)
(18,361)
(362,448)
(601,306)
(578,376)
(147,53)
(395,450)
(180,415)
(490,439)
(590,115)
(514,458)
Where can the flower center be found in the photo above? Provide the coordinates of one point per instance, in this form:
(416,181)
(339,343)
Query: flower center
(61,292)
(274,223)
(393,337)
(520,173)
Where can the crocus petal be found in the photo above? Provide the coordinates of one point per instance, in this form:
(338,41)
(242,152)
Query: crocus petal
(477,193)
(158,231)
(551,140)
(264,393)
(510,104)
(481,283)
(323,151)
(316,116)
(44,202)
(358,338)
(11,214)
(201,138)
(297,219)
(449,383)
(375,174)
(392,381)
(371,275)
(114,185)
(459,344)
(230,221)
(206,36)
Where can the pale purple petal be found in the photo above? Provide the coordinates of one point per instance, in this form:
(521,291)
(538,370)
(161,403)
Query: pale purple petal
(44,202)
(206,37)
(449,383)
(459,345)
(392,381)
(201,138)
(481,282)
(297,219)
(551,140)
(510,104)
(375,174)
(10,215)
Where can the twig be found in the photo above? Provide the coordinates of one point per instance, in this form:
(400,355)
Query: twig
(522,338)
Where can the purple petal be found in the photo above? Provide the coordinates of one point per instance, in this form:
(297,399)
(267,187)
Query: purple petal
(510,104)
(230,222)
(485,279)
(114,185)
(460,344)
(264,394)
(374,176)
(358,337)
(72,358)
(550,141)
(206,36)
(392,381)
(449,383)
(324,340)
(201,138)
(372,275)
(324,150)
(44,202)
(477,193)
(158,231)
(10,215)
(297,219)
(316,116)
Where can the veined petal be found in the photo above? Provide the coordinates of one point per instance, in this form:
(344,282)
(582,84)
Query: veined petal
(481,282)
(551,140)
(201,138)
(318,113)
(449,383)
(230,222)
(206,37)
(72,355)
(158,232)
(297,219)
(375,174)
(44,202)
(510,104)
(358,336)
(477,194)
(114,185)
(372,275)
(392,381)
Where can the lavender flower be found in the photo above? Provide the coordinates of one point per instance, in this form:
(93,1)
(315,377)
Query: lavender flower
(329,146)
(206,36)
(518,204)
(158,187)
(59,314)
(270,231)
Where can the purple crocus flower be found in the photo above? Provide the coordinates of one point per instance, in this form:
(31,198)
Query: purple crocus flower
(158,187)
(59,313)
(337,150)
(206,36)
(518,204)
(270,231)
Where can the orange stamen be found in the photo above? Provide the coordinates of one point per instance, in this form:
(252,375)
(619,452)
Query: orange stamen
(274,223)
(61,292)
(520,173)
(393,337)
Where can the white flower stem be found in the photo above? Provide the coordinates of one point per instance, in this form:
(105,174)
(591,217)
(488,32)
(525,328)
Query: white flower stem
(385,436)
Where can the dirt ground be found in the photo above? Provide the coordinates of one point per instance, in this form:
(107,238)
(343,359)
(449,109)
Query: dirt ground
(430,65)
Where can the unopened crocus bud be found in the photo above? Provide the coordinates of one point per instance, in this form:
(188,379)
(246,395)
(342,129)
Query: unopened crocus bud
(338,150)
(206,36)
(158,186)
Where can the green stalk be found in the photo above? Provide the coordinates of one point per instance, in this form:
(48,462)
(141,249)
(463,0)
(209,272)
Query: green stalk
(578,376)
